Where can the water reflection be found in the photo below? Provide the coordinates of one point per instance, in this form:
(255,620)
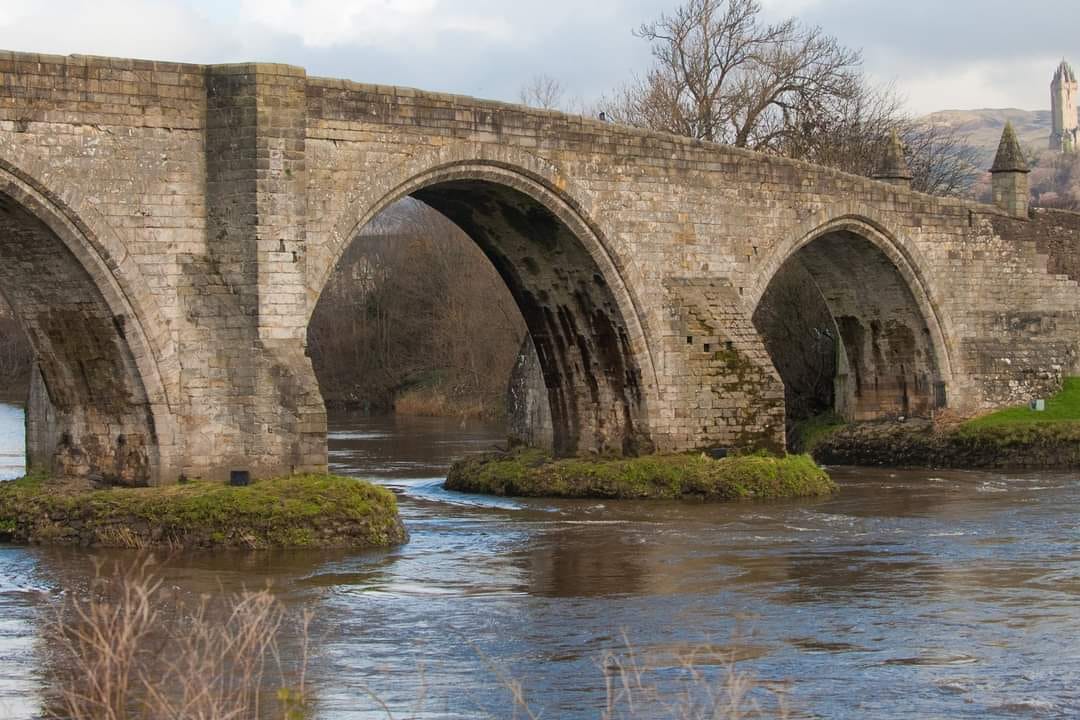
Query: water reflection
(909,594)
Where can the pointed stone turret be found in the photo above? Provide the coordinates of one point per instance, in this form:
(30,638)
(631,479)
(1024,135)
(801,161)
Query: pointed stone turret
(1010,157)
(893,168)
(1064,72)
(1010,175)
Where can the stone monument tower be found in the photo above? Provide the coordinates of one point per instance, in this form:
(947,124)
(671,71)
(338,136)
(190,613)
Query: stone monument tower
(1064,137)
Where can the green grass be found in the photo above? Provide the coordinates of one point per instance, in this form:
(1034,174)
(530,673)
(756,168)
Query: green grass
(811,431)
(291,512)
(533,473)
(1016,437)
(1061,408)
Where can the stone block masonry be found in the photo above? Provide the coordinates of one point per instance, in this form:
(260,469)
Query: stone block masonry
(166,230)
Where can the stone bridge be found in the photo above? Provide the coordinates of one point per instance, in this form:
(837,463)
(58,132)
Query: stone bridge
(166,230)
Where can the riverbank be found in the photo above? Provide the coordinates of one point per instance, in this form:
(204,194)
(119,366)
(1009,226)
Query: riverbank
(1018,437)
(921,443)
(299,511)
(425,402)
(431,402)
(533,473)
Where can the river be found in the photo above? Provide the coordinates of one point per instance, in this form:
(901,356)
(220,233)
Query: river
(908,594)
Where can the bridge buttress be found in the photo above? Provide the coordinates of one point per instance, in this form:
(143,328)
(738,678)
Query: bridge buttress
(256,193)
(721,388)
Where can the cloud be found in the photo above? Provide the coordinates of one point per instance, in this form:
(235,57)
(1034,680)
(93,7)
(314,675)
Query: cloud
(158,29)
(1023,84)
(990,53)
(964,53)
(402,24)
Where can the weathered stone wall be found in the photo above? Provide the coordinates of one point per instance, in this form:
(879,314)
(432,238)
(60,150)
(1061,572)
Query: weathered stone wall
(723,389)
(891,366)
(255,186)
(528,409)
(134,153)
(42,426)
(107,154)
(669,208)
(1057,236)
(207,206)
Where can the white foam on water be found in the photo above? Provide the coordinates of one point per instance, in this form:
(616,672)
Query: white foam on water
(431,490)
(1030,705)
(595,522)
(351,435)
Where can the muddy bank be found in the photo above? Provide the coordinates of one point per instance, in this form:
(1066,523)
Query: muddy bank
(921,443)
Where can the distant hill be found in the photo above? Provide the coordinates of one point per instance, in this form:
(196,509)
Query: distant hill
(983,128)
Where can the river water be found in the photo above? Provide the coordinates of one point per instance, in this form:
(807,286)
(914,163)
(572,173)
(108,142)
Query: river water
(909,594)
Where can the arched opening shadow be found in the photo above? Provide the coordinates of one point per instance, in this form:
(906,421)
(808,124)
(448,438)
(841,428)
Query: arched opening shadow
(583,347)
(847,334)
(89,416)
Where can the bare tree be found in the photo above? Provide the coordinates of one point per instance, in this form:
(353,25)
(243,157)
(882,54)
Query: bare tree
(942,160)
(543,91)
(1055,182)
(415,309)
(853,138)
(721,74)
(799,333)
(548,93)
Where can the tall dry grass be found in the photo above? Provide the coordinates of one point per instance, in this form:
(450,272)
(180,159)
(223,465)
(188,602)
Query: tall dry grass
(691,682)
(678,682)
(429,402)
(121,653)
(117,657)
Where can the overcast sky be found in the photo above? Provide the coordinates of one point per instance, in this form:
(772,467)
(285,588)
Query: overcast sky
(941,54)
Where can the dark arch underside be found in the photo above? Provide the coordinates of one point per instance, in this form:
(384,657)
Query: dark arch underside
(91,418)
(581,340)
(883,355)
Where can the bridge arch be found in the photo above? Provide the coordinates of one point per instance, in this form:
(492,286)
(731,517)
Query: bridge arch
(537,231)
(101,403)
(892,349)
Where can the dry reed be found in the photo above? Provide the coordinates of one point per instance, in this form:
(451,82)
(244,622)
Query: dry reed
(122,656)
(120,659)
(427,402)
(685,682)
(703,683)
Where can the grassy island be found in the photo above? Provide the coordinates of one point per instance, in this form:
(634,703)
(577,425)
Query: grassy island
(533,473)
(1015,437)
(299,511)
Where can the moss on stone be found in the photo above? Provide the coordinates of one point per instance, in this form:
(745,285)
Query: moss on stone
(533,473)
(811,431)
(299,511)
